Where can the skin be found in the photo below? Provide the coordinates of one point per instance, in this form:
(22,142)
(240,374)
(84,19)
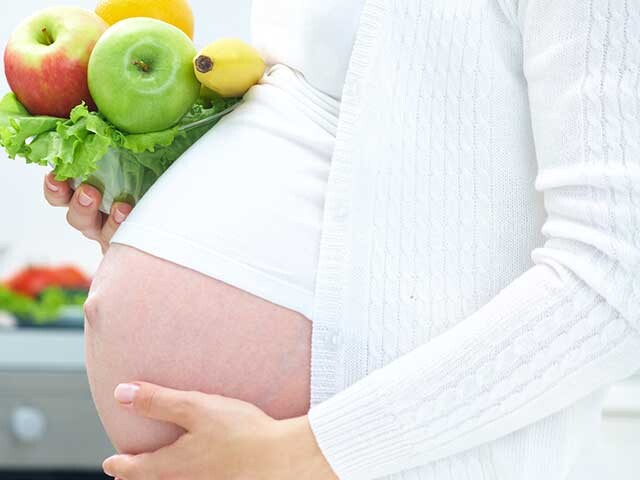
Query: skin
(83,210)
(153,322)
(226,438)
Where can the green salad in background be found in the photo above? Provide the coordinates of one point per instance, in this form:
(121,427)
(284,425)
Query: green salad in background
(45,309)
(40,295)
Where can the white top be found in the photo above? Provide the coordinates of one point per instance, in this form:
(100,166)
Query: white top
(495,123)
(260,176)
(244,205)
(313,36)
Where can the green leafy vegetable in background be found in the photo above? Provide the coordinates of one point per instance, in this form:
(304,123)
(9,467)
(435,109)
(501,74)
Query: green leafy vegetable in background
(42,310)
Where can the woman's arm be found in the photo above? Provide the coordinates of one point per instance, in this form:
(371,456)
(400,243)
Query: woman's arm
(568,326)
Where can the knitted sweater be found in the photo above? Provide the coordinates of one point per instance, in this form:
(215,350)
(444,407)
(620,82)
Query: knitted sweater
(479,280)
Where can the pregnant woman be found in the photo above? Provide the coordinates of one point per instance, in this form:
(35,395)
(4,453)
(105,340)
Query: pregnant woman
(362,237)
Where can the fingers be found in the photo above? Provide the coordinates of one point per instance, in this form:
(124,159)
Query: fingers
(131,467)
(119,213)
(148,466)
(83,211)
(152,401)
(57,194)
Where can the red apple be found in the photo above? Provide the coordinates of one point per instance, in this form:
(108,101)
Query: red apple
(47,56)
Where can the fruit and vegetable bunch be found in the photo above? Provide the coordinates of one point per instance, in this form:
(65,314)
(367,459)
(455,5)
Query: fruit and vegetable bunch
(39,295)
(113,97)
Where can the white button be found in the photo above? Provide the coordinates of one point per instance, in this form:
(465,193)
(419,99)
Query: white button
(342,213)
(333,341)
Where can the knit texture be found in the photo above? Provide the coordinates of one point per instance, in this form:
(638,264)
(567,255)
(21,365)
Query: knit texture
(479,285)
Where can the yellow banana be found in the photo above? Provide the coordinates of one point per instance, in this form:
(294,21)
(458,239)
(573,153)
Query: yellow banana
(229,67)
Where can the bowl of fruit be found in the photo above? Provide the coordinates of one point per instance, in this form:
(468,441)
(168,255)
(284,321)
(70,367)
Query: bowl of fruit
(112,98)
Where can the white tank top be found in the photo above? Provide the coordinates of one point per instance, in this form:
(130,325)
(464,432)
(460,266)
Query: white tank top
(245,204)
(314,37)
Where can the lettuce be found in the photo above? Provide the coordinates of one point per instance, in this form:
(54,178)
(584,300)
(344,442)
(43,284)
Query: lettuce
(17,126)
(86,147)
(45,309)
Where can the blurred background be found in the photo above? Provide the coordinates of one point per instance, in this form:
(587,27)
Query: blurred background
(48,426)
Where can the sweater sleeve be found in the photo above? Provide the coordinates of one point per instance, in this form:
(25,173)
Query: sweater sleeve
(568,326)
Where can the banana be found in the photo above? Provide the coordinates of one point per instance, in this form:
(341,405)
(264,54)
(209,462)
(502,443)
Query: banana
(229,67)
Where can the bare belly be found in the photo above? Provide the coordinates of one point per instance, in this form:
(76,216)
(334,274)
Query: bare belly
(151,320)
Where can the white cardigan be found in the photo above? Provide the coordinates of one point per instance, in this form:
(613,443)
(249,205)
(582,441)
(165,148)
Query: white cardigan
(451,340)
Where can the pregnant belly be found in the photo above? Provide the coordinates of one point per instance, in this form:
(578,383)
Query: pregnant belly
(151,320)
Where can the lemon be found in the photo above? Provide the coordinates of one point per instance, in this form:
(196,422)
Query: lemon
(229,67)
(175,12)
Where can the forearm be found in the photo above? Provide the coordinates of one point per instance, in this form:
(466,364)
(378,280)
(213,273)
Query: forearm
(541,345)
(304,457)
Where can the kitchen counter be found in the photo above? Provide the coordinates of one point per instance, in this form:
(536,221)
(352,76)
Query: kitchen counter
(40,349)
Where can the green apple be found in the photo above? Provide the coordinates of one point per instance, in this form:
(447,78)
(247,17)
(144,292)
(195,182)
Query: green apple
(141,76)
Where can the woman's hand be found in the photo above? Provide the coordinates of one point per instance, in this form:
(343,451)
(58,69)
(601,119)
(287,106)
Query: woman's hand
(224,439)
(83,213)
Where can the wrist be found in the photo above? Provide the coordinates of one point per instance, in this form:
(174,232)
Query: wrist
(305,459)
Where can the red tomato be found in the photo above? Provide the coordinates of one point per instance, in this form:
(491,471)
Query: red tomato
(30,281)
(33,280)
(70,277)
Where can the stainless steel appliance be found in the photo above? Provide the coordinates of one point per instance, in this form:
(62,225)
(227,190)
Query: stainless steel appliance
(48,422)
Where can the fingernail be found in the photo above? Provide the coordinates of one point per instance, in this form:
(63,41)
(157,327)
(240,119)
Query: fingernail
(119,216)
(84,199)
(51,186)
(105,465)
(126,392)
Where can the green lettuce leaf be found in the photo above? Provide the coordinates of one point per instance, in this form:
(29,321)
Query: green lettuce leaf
(17,126)
(44,309)
(74,147)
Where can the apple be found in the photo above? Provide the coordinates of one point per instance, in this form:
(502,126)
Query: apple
(141,77)
(47,56)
